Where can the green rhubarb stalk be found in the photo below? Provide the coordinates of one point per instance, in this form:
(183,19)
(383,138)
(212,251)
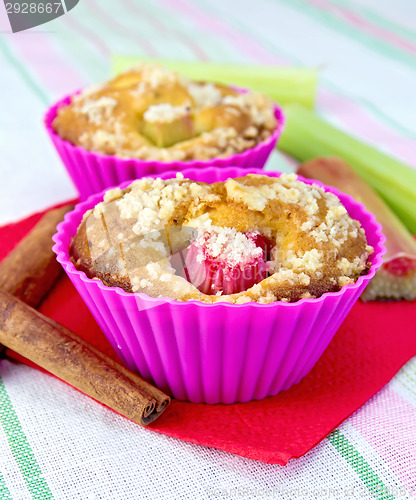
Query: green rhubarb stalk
(283,85)
(165,134)
(306,136)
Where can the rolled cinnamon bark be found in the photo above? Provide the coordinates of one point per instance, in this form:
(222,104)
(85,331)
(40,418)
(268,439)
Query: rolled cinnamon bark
(60,352)
(28,273)
(30,269)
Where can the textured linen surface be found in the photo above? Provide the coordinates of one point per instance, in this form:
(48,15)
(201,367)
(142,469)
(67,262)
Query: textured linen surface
(57,443)
(343,379)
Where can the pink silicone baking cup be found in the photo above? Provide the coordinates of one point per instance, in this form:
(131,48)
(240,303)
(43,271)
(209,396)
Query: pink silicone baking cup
(217,353)
(92,172)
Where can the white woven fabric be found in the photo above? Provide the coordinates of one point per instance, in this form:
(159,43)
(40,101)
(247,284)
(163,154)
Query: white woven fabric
(88,452)
(57,443)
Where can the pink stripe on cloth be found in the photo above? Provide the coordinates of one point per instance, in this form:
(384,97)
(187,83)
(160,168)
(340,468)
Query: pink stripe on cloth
(37,51)
(388,424)
(4,22)
(360,124)
(214,25)
(365,25)
(133,7)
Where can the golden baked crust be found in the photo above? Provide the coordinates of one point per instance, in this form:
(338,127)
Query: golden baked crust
(133,237)
(153,114)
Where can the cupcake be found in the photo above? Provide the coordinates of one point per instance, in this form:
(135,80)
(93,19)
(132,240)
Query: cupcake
(150,120)
(220,285)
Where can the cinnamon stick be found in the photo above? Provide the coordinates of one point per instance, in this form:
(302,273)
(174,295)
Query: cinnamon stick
(28,273)
(30,269)
(68,357)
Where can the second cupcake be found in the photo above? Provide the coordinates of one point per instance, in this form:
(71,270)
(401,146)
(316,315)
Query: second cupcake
(150,120)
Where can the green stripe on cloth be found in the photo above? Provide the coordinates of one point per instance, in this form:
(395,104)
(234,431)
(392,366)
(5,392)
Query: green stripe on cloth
(26,77)
(4,492)
(21,449)
(340,26)
(376,18)
(360,466)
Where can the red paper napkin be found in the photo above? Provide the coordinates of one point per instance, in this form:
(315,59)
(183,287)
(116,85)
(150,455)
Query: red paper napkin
(373,343)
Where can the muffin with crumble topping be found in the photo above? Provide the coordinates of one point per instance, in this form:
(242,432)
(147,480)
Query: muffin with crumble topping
(220,285)
(253,238)
(149,120)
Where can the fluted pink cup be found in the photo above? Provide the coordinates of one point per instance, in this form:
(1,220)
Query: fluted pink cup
(217,353)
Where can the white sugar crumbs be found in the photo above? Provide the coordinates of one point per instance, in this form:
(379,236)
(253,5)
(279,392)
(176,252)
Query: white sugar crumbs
(227,245)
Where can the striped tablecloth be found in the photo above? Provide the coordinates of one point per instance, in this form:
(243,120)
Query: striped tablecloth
(57,443)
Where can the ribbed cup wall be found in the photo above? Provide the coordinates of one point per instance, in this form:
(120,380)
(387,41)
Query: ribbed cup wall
(217,353)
